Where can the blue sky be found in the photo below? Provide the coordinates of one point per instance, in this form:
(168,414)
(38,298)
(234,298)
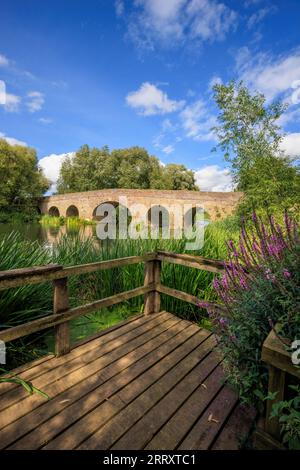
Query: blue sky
(139,72)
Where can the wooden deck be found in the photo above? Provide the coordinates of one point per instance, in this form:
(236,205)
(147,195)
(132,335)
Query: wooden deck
(154,382)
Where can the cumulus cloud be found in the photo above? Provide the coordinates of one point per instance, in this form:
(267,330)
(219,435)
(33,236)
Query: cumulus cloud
(35,101)
(51,165)
(171,22)
(271,76)
(12,140)
(214,178)
(10,102)
(291,144)
(4,62)
(197,121)
(149,100)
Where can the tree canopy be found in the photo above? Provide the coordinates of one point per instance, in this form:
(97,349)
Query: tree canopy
(98,168)
(249,135)
(22,181)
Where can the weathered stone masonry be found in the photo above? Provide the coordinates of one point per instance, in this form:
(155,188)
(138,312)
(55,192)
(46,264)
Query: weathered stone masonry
(216,204)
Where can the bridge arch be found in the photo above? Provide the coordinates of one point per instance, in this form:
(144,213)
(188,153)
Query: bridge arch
(72,211)
(53,211)
(194,216)
(158,217)
(116,205)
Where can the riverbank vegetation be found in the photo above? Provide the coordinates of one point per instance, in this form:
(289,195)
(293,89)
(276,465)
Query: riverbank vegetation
(20,305)
(70,222)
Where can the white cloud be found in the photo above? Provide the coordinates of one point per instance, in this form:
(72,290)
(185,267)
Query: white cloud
(119,6)
(214,178)
(4,62)
(259,15)
(150,100)
(10,102)
(170,22)
(51,165)
(197,121)
(271,76)
(12,140)
(168,149)
(35,101)
(291,144)
(45,120)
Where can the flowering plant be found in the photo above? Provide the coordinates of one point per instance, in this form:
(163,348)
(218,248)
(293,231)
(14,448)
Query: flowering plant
(260,286)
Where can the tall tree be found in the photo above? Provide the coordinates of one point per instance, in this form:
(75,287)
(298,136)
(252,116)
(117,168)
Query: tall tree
(133,167)
(179,177)
(22,181)
(249,135)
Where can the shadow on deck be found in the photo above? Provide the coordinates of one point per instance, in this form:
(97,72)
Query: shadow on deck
(152,382)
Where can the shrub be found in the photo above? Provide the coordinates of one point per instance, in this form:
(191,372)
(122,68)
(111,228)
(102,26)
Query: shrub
(260,287)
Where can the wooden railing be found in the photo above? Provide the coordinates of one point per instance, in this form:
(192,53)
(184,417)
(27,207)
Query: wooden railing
(62,313)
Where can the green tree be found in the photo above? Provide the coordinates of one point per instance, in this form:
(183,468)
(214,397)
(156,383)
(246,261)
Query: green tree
(133,167)
(89,169)
(249,135)
(179,177)
(22,181)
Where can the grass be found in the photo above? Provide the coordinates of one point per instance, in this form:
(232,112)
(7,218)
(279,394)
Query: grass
(26,303)
(71,222)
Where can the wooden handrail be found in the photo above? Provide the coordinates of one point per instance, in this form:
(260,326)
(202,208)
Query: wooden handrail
(59,275)
(39,274)
(52,320)
(191,261)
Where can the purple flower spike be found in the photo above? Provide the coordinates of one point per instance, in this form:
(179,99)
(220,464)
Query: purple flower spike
(223,321)
(286,274)
(243,283)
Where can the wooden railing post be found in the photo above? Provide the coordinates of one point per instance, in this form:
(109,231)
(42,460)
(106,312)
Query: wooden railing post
(61,304)
(152,275)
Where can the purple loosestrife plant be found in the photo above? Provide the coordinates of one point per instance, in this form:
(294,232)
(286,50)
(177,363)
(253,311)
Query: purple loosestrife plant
(259,288)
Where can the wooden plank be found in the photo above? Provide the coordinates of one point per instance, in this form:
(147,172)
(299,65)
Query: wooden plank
(139,435)
(208,382)
(209,424)
(106,435)
(61,305)
(51,320)
(27,273)
(191,261)
(73,271)
(64,375)
(36,368)
(178,294)
(237,428)
(275,354)
(95,390)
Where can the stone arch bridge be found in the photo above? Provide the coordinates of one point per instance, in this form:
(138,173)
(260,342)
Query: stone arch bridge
(217,205)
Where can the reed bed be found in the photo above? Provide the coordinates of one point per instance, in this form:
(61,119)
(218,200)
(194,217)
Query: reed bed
(26,303)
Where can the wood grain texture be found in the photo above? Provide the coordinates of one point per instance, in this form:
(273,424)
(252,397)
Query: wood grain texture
(151,383)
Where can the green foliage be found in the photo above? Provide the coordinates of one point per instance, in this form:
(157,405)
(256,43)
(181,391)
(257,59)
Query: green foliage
(27,303)
(249,135)
(28,386)
(93,168)
(22,182)
(288,412)
(260,287)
